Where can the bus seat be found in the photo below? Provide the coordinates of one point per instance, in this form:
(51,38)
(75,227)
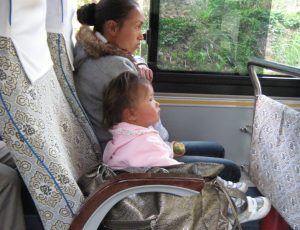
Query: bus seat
(49,144)
(59,37)
(275,148)
(50,149)
(275,156)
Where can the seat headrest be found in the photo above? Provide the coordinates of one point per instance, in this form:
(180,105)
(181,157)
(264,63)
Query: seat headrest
(24,22)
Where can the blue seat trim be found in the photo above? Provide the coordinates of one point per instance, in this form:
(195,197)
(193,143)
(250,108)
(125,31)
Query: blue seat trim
(10,11)
(35,154)
(67,81)
(62,11)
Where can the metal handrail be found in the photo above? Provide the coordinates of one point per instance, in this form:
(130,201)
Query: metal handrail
(258,62)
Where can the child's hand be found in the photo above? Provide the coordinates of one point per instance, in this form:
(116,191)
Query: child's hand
(178,149)
(146,72)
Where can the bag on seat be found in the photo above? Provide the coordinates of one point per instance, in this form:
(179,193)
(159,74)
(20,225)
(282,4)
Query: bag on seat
(207,210)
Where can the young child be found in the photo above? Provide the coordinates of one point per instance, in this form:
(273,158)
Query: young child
(129,111)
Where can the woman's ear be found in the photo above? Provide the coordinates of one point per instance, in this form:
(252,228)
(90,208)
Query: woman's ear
(111,27)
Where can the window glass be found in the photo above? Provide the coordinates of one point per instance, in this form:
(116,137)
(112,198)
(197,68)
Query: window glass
(221,35)
(143,50)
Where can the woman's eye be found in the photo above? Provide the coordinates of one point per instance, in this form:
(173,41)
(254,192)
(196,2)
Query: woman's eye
(138,27)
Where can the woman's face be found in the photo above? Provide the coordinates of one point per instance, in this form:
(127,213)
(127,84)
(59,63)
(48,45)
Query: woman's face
(129,35)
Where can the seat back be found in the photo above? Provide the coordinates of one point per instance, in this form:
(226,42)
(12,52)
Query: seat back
(275,146)
(50,146)
(59,37)
(275,156)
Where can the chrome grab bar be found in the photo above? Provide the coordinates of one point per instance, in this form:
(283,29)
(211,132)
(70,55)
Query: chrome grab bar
(258,62)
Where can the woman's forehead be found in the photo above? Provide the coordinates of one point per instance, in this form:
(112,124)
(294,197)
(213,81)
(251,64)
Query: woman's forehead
(136,15)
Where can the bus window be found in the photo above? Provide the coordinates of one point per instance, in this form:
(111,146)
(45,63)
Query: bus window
(221,35)
(203,46)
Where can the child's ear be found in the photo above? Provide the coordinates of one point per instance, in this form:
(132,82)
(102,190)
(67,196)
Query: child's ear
(128,115)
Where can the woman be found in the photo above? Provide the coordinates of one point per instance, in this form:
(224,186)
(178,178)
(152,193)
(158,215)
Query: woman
(106,51)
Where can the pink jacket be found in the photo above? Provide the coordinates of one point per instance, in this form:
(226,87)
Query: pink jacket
(136,146)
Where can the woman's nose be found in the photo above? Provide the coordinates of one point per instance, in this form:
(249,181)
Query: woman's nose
(141,36)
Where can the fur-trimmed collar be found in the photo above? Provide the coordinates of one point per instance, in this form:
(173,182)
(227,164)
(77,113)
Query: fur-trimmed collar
(95,48)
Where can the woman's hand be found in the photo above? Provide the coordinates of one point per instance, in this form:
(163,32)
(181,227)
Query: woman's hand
(145,72)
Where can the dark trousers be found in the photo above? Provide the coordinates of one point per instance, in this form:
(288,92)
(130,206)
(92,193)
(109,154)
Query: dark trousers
(206,151)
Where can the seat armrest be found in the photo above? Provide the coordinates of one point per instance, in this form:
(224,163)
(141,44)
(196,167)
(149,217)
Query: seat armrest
(109,193)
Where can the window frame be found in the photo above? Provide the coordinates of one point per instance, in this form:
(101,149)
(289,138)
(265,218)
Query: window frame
(210,83)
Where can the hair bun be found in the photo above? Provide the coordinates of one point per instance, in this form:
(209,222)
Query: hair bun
(86,14)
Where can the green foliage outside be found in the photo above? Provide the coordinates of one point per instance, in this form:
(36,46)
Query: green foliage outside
(221,36)
(83,2)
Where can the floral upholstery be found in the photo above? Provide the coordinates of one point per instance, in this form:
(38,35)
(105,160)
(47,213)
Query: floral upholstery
(64,73)
(275,156)
(49,143)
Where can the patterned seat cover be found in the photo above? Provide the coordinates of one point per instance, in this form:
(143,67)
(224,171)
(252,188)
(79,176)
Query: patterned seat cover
(47,139)
(275,156)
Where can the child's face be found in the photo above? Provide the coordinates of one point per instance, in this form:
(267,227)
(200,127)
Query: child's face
(146,110)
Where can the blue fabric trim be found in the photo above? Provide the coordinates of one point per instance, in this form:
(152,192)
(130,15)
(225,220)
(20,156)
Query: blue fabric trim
(10,12)
(62,11)
(35,154)
(66,79)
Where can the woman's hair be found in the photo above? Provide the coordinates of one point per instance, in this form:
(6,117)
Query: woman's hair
(119,94)
(97,14)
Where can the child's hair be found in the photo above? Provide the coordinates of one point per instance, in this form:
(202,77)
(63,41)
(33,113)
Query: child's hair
(119,94)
